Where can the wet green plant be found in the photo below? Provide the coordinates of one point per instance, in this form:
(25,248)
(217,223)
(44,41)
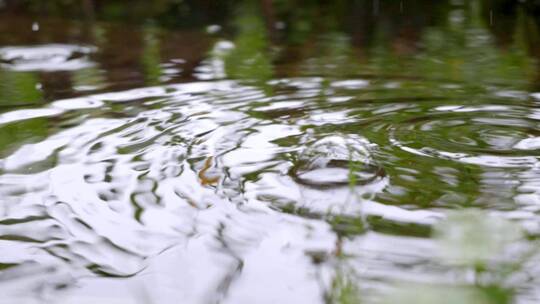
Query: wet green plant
(447,294)
(343,289)
(346,226)
(471,238)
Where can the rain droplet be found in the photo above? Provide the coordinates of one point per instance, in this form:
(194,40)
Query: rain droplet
(213,29)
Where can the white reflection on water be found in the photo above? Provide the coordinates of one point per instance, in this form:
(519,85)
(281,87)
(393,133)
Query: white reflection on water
(47,57)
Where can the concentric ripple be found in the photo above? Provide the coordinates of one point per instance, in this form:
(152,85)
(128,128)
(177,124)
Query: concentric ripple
(490,135)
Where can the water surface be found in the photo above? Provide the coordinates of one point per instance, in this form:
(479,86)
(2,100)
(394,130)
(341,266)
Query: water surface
(348,152)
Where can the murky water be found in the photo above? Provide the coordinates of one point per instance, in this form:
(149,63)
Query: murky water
(321,153)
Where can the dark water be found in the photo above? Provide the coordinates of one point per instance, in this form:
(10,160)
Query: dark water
(269,152)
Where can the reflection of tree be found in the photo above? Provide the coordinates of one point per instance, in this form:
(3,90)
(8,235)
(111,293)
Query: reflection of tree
(461,50)
(88,79)
(332,56)
(124,69)
(250,57)
(387,36)
(151,56)
(167,12)
(505,19)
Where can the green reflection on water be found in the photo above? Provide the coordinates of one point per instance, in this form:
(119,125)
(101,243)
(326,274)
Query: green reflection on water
(250,57)
(19,88)
(14,135)
(151,56)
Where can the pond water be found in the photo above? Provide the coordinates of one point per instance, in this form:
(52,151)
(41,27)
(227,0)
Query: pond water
(269,152)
